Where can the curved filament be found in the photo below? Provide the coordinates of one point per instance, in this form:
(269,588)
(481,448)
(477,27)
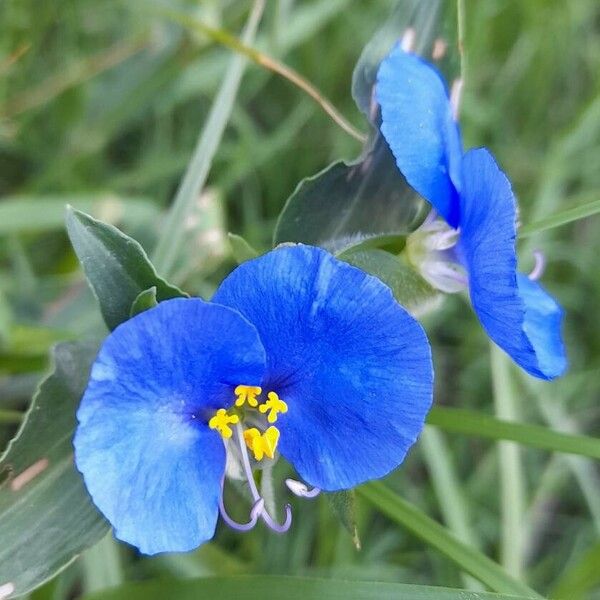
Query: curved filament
(539,267)
(301,490)
(276,527)
(255,513)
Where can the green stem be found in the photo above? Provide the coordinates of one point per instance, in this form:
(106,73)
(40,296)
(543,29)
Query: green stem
(512,481)
(195,176)
(435,535)
(224,38)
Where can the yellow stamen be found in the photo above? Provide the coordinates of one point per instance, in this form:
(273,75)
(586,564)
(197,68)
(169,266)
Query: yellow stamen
(262,444)
(221,421)
(274,405)
(247,393)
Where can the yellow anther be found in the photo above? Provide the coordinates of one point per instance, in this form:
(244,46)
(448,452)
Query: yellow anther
(221,422)
(247,393)
(262,444)
(274,405)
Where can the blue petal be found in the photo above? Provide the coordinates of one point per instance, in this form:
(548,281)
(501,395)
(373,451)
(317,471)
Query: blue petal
(543,319)
(418,125)
(149,460)
(518,315)
(353,366)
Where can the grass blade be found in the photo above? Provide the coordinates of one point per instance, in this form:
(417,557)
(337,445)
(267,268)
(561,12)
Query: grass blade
(561,218)
(468,422)
(221,36)
(81,71)
(292,588)
(171,239)
(512,478)
(435,535)
(452,502)
(579,579)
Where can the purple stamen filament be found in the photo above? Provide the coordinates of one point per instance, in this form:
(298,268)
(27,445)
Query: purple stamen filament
(299,489)
(258,509)
(254,515)
(539,267)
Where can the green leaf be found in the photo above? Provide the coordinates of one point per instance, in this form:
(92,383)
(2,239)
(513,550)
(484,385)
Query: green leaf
(115,265)
(430,20)
(101,565)
(435,535)
(408,287)
(36,214)
(46,516)
(561,218)
(144,301)
(346,204)
(6,318)
(241,249)
(10,416)
(580,577)
(343,505)
(349,203)
(468,422)
(252,587)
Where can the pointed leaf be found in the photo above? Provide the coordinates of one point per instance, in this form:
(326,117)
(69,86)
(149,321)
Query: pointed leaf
(144,301)
(343,505)
(116,266)
(346,204)
(241,249)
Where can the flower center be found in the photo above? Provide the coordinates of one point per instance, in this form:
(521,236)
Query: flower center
(247,406)
(432,250)
(261,439)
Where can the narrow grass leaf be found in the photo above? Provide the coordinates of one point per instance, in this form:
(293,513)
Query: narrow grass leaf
(468,422)
(561,218)
(195,176)
(46,515)
(290,588)
(435,535)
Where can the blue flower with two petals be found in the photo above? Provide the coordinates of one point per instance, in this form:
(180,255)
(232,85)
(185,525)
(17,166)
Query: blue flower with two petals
(475,199)
(298,354)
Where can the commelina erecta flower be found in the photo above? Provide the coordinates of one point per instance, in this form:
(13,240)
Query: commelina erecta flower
(474,247)
(298,354)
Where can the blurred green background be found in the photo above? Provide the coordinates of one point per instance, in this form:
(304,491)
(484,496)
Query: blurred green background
(101,104)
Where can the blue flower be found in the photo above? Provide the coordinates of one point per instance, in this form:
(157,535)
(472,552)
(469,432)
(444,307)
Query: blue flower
(298,353)
(477,246)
